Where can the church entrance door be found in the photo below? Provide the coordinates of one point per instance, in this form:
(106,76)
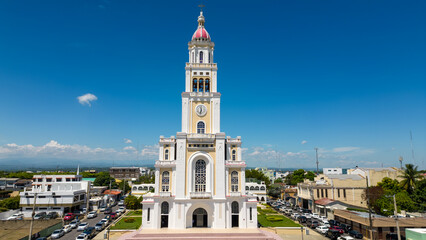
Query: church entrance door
(199,218)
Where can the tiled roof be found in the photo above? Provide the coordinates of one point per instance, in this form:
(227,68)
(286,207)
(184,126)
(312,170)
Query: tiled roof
(324,201)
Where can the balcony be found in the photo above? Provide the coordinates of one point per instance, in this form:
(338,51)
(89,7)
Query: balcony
(164,194)
(201,195)
(235,194)
(235,164)
(164,164)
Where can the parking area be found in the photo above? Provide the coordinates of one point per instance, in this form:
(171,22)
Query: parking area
(314,222)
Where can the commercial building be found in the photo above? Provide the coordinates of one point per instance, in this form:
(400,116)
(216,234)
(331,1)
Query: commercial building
(126,173)
(55,193)
(258,190)
(359,221)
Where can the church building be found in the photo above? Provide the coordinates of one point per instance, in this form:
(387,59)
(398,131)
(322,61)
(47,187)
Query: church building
(200,173)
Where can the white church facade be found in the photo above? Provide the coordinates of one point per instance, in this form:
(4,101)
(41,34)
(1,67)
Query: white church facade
(200,173)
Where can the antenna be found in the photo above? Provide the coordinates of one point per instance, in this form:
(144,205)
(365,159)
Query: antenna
(316,154)
(412,148)
(201,7)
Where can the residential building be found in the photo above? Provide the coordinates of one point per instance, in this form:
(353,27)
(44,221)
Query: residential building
(55,193)
(8,183)
(281,175)
(328,171)
(125,173)
(376,175)
(268,173)
(258,190)
(200,174)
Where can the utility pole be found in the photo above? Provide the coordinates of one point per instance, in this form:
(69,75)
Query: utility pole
(88,197)
(32,217)
(396,217)
(367,193)
(316,154)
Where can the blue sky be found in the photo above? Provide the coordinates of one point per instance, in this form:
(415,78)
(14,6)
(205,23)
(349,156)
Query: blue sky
(348,77)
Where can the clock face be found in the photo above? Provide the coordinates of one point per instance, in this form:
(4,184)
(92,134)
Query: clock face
(201,110)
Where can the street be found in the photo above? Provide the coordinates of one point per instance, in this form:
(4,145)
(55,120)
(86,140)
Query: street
(92,222)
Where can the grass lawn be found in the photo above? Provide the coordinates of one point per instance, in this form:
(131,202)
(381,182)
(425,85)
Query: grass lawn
(137,221)
(135,213)
(276,221)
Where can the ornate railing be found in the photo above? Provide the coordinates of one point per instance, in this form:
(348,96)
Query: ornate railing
(169,163)
(201,195)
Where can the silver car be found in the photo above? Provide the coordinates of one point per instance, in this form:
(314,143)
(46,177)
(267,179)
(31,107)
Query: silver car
(57,234)
(99,226)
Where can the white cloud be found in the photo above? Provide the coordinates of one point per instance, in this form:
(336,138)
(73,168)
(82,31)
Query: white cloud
(126,140)
(344,149)
(53,149)
(86,99)
(303,142)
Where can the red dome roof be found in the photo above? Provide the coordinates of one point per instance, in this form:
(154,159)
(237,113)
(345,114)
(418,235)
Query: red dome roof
(201,33)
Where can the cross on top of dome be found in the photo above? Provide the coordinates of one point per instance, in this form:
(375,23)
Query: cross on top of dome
(201,33)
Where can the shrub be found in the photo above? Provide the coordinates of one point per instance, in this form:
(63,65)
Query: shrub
(274,218)
(129,220)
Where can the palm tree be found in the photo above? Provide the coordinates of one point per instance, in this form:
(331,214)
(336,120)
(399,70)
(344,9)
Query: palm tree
(410,176)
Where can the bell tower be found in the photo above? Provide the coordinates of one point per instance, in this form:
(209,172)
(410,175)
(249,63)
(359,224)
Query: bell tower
(201,101)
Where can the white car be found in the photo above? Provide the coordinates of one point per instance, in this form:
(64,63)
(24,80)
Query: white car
(83,226)
(121,203)
(58,233)
(294,215)
(105,221)
(102,208)
(322,229)
(315,215)
(82,237)
(121,209)
(323,218)
(307,215)
(16,216)
(92,214)
(345,238)
(67,228)
(325,223)
(74,223)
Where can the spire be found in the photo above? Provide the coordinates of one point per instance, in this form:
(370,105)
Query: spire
(201,19)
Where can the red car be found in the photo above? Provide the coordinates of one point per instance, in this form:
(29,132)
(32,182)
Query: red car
(69,216)
(113,215)
(337,228)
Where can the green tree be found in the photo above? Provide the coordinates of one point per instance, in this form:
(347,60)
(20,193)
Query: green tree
(310,175)
(124,185)
(299,176)
(372,195)
(253,173)
(103,179)
(133,202)
(275,190)
(146,179)
(419,195)
(410,177)
(278,180)
(10,203)
(390,186)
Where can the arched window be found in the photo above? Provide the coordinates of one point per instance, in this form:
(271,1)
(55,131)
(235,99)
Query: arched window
(234,155)
(165,181)
(140,188)
(200,176)
(201,56)
(194,85)
(193,57)
(201,85)
(234,181)
(262,188)
(166,154)
(207,85)
(165,208)
(251,188)
(201,127)
(150,188)
(135,188)
(256,188)
(247,188)
(235,208)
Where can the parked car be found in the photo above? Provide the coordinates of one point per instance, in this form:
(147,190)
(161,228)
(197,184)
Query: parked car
(301,219)
(99,226)
(92,214)
(325,223)
(57,234)
(74,223)
(356,234)
(313,224)
(322,229)
(102,208)
(40,215)
(345,238)
(333,234)
(337,228)
(323,218)
(334,223)
(108,210)
(121,209)
(16,216)
(69,216)
(315,215)
(113,215)
(121,203)
(294,215)
(52,215)
(82,237)
(105,221)
(90,232)
(67,228)
(83,226)
(345,227)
